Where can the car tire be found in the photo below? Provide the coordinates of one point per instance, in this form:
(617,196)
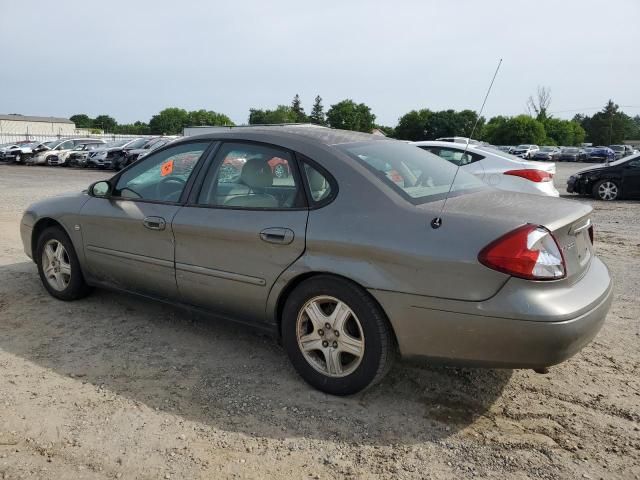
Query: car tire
(53,265)
(343,363)
(606,190)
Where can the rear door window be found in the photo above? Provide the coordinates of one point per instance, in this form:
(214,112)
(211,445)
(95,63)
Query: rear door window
(252,176)
(454,155)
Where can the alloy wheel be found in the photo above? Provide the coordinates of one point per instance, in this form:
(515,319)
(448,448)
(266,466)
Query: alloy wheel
(56,265)
(608,191)
(330,336)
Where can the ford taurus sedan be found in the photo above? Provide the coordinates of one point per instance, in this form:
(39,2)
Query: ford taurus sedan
(348,260)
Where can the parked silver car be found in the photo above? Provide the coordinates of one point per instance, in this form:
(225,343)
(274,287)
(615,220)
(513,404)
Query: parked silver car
(342,259)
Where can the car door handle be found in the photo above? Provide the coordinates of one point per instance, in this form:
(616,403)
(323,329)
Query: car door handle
(279,235)
(154,223)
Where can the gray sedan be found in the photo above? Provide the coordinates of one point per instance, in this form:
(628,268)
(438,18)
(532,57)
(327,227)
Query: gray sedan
(348,259)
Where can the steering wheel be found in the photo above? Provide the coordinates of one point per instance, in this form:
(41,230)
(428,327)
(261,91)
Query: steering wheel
(168,187)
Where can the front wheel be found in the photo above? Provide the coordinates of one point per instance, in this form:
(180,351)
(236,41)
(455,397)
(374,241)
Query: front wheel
(606,190)
(336,336)
(59,267)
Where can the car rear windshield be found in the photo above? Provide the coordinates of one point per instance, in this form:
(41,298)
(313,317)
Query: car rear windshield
(137,143)
(417,175)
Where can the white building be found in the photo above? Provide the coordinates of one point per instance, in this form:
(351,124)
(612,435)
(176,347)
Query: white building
(27,125)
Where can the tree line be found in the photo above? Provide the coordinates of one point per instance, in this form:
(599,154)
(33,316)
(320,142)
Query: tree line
(606,127)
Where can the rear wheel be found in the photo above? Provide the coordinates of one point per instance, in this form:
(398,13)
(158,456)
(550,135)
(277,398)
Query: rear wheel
(336,336)
(58,265)
(606,190)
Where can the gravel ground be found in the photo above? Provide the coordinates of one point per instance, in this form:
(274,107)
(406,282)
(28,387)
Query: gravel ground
(119,387)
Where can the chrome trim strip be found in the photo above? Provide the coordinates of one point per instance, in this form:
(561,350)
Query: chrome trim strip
(237,277)
(577,230)
(130,256)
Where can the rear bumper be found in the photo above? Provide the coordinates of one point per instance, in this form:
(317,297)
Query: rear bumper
(526,325)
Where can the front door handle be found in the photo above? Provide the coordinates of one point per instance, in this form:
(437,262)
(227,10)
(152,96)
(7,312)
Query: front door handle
(283,236)
(154,223)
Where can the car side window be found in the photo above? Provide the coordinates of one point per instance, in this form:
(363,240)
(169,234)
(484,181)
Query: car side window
(161,176)
(319,184)
(252,176)
(634,163)
(65,145)
(455,156)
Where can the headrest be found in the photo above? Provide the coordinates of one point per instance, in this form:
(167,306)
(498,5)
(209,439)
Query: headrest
(256,173)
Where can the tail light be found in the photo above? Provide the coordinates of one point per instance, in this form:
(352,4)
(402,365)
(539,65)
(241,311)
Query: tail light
(531,174)
(528,252)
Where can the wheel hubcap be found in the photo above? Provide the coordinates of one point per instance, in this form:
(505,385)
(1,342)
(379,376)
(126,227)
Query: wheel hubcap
(608,191)
(56,265)
(330,336)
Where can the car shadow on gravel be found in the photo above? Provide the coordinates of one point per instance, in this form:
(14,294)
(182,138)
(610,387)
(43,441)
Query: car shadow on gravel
(223,375)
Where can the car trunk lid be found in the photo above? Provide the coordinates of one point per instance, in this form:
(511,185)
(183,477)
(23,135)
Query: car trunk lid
(567,220)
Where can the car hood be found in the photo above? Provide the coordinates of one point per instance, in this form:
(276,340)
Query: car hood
(592,168)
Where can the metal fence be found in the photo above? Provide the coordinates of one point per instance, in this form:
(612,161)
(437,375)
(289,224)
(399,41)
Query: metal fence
(21,137)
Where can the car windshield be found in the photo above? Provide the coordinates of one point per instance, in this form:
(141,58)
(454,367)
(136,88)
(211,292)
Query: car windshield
(547,149)
(419,176)
(625,159)
(137,143)
(570,150)
(617,148)
(523,146)
(119,143)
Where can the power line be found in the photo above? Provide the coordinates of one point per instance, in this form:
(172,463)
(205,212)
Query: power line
(592,108)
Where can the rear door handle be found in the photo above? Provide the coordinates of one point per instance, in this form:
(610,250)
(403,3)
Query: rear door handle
(154,223)
(283,236)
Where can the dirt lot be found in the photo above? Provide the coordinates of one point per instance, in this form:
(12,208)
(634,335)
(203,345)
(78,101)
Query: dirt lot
(118,387)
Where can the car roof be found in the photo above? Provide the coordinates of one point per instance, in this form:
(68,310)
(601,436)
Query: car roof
(311,134)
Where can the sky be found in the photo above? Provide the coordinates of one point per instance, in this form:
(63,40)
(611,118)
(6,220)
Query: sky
(130,59)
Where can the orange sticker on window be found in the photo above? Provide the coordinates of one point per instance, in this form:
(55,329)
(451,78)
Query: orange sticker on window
(166,168)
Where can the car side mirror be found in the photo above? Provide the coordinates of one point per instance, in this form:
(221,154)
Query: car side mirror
(100,189)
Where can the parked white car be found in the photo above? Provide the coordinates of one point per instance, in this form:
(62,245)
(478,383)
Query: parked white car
(58,150)
(525,151)
(497,168)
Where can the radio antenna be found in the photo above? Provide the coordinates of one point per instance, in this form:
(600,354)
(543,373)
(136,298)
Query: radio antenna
(437,221)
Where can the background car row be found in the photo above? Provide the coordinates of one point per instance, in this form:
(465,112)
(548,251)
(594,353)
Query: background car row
(81,152)
(570,154)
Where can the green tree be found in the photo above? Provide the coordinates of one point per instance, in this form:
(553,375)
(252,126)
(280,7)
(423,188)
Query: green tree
(427,125)
(282,114)
(170,121)
(136,128)
(578,133)
(82,121)
(514,130)
(298,110)
(559,132)
(317,113)
(609,126)
(105,122)
(207,118)
(412,125)
(388,131)
(348,115)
